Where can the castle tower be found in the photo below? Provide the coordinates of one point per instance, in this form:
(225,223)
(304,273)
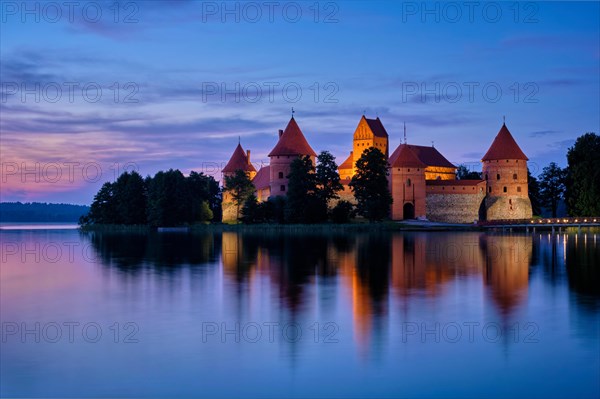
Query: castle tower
(368,133)
(407,184)
(505,173)
(291,145)
(239,160)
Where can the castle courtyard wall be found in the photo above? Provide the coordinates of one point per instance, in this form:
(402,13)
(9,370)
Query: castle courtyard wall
(454,208)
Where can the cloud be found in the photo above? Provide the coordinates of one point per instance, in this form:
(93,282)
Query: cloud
(543,133)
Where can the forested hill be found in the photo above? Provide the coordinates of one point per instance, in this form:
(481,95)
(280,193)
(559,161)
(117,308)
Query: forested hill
(41,212)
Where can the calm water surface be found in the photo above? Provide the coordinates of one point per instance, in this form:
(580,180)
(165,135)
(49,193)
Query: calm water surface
(299,315)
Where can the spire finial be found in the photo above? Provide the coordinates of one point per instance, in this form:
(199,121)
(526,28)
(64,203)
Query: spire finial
(239,139)
(405,142)
(293,112)
(432,143)
(364,112)
(504,119)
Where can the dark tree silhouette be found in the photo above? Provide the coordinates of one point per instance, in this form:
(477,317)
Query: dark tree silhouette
(303,205)
(552,186)
(328,178)
(463,173)
(583,176)
(370,185)
(533,188)
(130,198)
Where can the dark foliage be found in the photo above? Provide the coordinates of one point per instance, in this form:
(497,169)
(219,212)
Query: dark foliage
(370,185)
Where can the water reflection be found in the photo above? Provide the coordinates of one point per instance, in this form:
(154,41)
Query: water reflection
(367,270)
(371,286)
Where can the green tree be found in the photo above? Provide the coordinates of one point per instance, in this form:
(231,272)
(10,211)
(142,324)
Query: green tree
(342,212)
(464,173)
(533,188)
(240,187)
(370,185)
(552,186)
(583,176)
(130,199)
(250,210)
(104,208)
(168,199)
(274,209)
(328,178)
(302,205)
(203,191)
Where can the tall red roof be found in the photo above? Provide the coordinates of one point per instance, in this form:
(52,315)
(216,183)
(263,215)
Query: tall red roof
(376,127)
(262,178)
(430,156)
(405,157)
(504,146)
(292,142)
(238,160)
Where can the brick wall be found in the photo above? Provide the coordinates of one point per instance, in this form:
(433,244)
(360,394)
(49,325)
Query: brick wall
(454,208)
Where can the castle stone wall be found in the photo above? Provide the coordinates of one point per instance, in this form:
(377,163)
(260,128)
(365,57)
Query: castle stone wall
(507,207)
(228,208)
(454,208)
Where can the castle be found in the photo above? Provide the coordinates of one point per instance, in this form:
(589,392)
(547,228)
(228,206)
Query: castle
(421,180)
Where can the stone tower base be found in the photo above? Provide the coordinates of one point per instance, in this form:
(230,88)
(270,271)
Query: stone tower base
(507,207)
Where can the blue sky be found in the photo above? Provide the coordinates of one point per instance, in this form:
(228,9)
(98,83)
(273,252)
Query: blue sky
(155,71)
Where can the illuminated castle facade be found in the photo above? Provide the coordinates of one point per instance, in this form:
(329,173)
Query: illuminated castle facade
(421,180)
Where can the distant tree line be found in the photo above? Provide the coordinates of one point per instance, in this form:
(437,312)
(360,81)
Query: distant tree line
(167,199)
(41,212)
(312,191)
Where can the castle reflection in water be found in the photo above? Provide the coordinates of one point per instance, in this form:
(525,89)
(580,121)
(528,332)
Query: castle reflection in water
(413,274)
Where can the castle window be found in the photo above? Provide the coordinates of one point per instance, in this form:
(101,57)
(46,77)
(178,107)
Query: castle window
(418,169)
(490,189)
(281,175)
(486,176)
(515,176)
(408,182)
(519,189)
(498,176)
(504,188)
(507,161)
(409,169)
(510,201)
(282,187)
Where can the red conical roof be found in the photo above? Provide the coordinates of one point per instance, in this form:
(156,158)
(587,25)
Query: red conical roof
(404,157)
(238,160)
(292,142)
(504,146)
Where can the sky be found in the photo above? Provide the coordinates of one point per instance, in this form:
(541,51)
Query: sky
(90,89)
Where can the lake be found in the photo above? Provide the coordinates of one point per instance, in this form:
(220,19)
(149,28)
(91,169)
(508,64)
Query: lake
(412,315)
